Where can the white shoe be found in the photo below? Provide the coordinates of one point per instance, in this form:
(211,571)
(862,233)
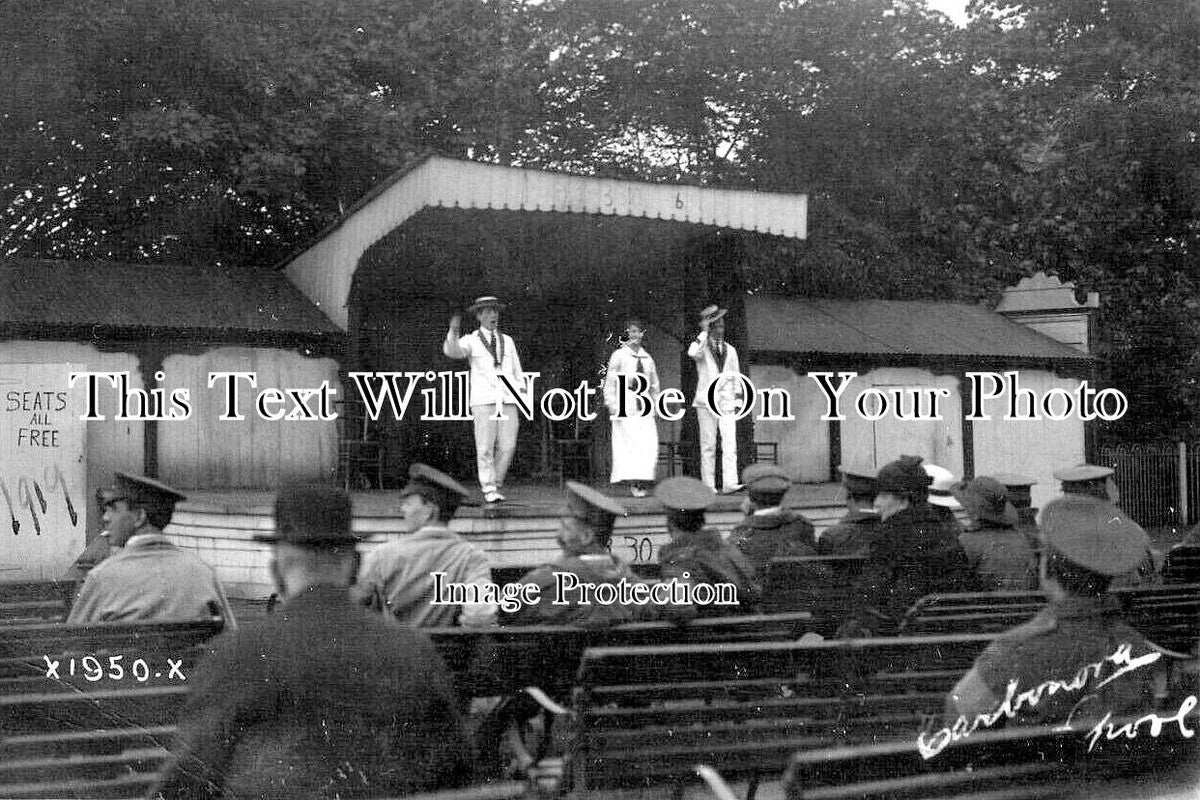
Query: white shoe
(493,497)
(499,497)
(737,487)
(637,491)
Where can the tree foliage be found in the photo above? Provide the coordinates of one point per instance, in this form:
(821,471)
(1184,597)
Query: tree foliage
(941,162)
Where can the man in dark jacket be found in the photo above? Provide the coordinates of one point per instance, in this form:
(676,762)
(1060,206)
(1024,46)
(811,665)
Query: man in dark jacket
(914,553)
(853,533)
(699,555)
(585,535)
(997,550)
(770,530)
(322,699)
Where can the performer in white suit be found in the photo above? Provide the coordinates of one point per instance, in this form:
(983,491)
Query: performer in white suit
(717,359)
(492,354)
(634,438)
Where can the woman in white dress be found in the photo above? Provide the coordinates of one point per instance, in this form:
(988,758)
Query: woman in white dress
(634,438)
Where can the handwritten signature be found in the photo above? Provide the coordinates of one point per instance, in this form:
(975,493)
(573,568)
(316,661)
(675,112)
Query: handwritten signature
(1122,658)
(1130,729)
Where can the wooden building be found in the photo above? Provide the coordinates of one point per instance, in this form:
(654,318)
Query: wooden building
(179,323)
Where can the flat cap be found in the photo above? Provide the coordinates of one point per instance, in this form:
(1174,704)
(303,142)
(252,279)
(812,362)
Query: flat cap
(987,499)
(435,486)
(903,475)
(592,507)
(1083,472)
(312,516)
(139,489)
(683,493)
(766,480)
(1094,534)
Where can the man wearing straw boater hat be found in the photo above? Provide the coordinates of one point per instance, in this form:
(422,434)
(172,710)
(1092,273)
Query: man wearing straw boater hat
(716,360)
(492,355)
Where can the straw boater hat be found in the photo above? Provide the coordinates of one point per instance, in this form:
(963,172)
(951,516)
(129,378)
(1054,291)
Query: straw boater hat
(712,313)
(487,301)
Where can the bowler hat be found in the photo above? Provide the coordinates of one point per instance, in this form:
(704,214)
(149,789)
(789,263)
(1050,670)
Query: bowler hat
(593,508)
(712,313)
(435,486)
(1094,534)
(987,499)
(487,301)
(312,516)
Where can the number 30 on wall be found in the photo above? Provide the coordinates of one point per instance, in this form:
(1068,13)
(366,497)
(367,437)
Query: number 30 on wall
(641,547)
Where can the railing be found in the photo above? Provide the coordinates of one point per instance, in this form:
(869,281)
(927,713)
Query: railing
(1159,482)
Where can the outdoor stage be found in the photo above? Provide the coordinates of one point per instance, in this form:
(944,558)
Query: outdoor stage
(521,532)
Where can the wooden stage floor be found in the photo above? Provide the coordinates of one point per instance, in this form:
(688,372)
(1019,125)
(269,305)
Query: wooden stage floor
(523,500)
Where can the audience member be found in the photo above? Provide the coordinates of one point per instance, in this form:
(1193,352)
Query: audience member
(320,699)
(397,577)
(146,577)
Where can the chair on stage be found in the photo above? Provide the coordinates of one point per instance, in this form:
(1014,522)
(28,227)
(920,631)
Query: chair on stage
(572,453)
(360,454)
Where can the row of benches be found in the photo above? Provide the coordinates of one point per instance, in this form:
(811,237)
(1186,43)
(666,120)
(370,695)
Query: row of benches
(815,583)
(640,715)
(649,700)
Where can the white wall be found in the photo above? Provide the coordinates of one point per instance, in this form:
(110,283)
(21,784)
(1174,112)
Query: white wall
(207,452)
(1029,447)
(111,445)
(884,440)
(804,443)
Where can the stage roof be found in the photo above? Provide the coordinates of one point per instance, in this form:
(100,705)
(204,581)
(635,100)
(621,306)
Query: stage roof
(38,295)
(895,329)
(324,271)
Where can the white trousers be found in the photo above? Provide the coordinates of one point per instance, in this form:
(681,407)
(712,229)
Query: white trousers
(495,443)
(710,426)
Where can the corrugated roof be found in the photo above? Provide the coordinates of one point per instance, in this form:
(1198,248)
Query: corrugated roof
(324,270)
(74,293)
(894,328)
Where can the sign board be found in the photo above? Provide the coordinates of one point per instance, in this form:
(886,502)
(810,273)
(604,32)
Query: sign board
(43,471)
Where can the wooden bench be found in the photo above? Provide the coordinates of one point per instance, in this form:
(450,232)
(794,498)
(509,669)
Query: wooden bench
(1182,564)
(822,585)
(648,715)
(88,710)
(1169,616)
(59,657)
(31,602)
(501,661)
(1037,762)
